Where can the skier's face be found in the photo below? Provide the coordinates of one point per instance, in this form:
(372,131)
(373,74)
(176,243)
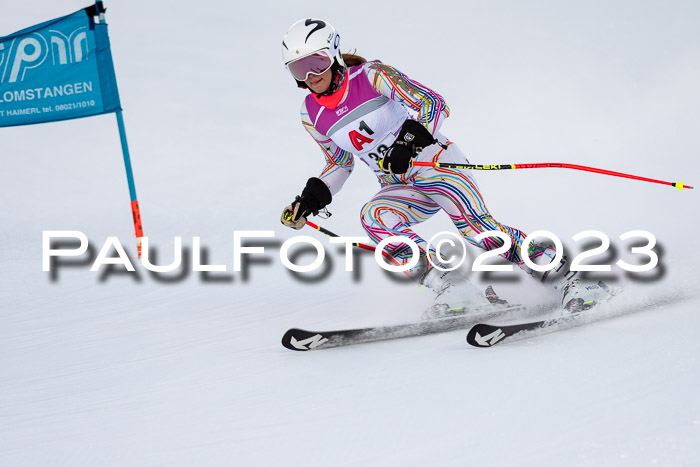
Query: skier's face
(320,83)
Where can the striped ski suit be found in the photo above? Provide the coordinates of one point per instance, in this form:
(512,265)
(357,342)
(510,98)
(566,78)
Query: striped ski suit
(366,122)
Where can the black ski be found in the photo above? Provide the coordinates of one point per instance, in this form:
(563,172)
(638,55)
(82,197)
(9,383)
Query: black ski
(488,335)
(303,340)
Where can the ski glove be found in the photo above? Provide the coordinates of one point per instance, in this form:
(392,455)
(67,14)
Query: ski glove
(314,197)
(412,138)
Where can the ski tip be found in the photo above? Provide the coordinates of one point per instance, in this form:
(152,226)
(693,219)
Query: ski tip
(292,334)
(300,340)
(484,335)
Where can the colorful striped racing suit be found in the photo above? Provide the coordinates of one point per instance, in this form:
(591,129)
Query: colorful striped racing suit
(366,122)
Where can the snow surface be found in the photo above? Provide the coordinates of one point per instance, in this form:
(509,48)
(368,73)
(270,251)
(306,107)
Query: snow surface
(115,368)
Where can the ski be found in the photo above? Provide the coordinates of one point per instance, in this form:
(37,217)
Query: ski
(488,335)
(304,340)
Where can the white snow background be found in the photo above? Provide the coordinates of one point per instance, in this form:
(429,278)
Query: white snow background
(100,368)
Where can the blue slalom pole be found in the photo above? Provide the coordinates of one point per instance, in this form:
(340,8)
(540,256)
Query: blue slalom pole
(136,213)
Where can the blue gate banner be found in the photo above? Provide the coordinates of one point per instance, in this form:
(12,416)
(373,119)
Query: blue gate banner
(57,70)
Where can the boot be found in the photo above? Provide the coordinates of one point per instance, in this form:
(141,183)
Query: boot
(575,295)
(455,295)
(578,296)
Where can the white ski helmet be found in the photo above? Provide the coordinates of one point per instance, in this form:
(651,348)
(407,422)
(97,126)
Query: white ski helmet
(317,42)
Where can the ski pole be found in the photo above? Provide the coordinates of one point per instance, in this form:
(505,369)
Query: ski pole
(679,185)
(288,216)
(359,245)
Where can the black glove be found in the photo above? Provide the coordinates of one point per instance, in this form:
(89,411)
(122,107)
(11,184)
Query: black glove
(314,197)
(396,160)
(412,138)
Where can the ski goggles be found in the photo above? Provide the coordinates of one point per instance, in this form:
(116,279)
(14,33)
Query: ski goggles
(314,64)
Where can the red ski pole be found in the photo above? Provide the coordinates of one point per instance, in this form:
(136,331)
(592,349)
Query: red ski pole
(679,185)
(331,234)
(363,246)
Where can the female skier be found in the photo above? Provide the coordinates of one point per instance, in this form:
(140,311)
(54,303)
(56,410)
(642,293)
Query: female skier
(359,108)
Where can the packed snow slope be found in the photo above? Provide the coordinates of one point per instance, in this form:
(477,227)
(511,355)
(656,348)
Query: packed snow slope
(186,368)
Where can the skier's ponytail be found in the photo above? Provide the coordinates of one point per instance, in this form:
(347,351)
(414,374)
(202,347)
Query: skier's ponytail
(352,59)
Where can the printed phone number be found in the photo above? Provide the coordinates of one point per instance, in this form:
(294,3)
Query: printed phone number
(74,105)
